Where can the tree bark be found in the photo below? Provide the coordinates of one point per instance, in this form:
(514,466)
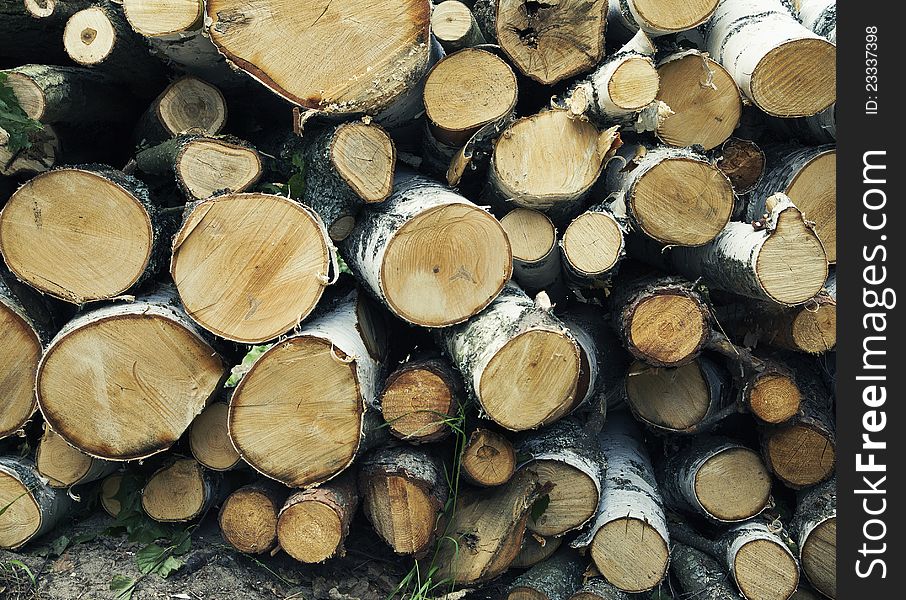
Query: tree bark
(182,491)
(32,508)
(597,588)
(314,523)
(535,549)
(419,397)
(536,260)
(248,517)
(26,39)
(819,16)
(814,527)
(557,578)
(700,576)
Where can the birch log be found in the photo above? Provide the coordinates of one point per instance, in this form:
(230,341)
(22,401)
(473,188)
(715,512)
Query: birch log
(628,538)
(548,162)
(568,458)
(547,41)
(742,161)
(535,549)
(454,26)
(597,588)
(780,65)
(814,526)
(209,439)
(124,381)
(780,259)
(700,576)
(188,103)
(536,260)
(403,492)
(819,16)
(592,247)
(434,258)
(420,397)
(109,490)
(313,524)
(182,491)
(557,578)
(248,517)
(655,187)
(346,166)
(656,17)
(518,361)
(488,458)
(809,328)
(250,266)
(714,477)
(56,11)
(808,176)
(306,408)
(82,233)
(31,507)
(64,466)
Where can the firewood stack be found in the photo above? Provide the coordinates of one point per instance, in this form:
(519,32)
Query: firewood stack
(302,258)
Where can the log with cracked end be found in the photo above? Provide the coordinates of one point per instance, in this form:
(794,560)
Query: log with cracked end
(420,397)
(536,260)
(592,247)
(454,26)
(313,524)
(808,176)
(628,540)
(209,439)
(779,259)
(404,492)
(535,549)
(652,187)
(548,161)
(488,458)
(567,457)
(248,517)
(742,161)
(431,256)
(779,64)
(251,266)
(182,491)
(345,82)
(347,166)
(657,17)
(330,367)
(83,233)
(714,477)
(819,16)
(700,576)
(57,11)
(187,104)
(203,165)
(556,578)
(814,527)
(31,507)
(518,361)
(547,41)
(64,466)
(158,354)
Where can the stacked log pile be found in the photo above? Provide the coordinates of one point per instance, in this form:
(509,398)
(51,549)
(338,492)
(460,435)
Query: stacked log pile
(517,281)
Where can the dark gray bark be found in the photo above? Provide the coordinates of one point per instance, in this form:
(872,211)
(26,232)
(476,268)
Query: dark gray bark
(557,578)
(700,576)
(52,504)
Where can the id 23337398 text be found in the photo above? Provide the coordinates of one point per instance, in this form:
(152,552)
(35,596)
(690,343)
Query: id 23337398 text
(871,70)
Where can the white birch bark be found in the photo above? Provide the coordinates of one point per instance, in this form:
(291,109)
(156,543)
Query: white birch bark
(52,504)
(624,19)
(819,16)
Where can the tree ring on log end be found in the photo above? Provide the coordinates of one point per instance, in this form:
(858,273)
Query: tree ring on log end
(209,439)
(416,402)
(592,243)
(796,79)
(159,18)
(488,458)
(765,570)
(175,493)
(668,328)
(733,485)
(815,330)
(19,356)
(819,557)
(22,517)
(801,455)
(310,531)
(634,84)
(29,94)
(59,462)
(531,234)
(205,166)
(814,192)
(248,521)
(89,36)
(364,156)
(674,399)
(573,498)
(774,398)
(191,104)
(791,266)
(630,554)
(674,16)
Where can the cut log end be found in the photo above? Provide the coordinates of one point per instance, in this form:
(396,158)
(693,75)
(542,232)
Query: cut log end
(801,455)
(660,202)
(110,488)
(365,157)
(742,162)
(278,395)
(796,79)
(29,94)
(764,570)
(248,520)
(22,517)
(819,557)
(416,402)
(19,356)
(815,329)
(671,18)
(401,511)
(531,233)
(733,485)
(74,249)
(488,458)
(40,9)
(452,23)
(572,499)
(634,84)
(59,462)
(535,549)
(159,18)
(630,554)
(774,398)
(191,104)
(89,37)
(593,243)
(668,329)
(524,593)
(675,399)
(530,379)
(176,493)
(704,99)
(814,192)
(465,91)
(279,282)
(793,248)
(209,440)
(310,531)
(445,265)
(205,166)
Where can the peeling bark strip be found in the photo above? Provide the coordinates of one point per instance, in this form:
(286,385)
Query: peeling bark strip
(781,261)
(557,578)
(116,245)
(700,576)
(250,267)
(325,367)
(815,529)
(536,261)
(419,396)
(781,66)
(592,247)
(656,17)
(345,81)
(622,89)
(248,517)
(347,166)
(652,187)
(568,458)
(64,466)
(518,361)
(182,491)
(164,370)
(434,258)
(628,537)
(663,321)
(808,176)
(32,508)
(488,458)
(548,162)
(313,524)
(403,493)
(486,531)
(203,165)
(714,477)
(547,40)
(597,588)
(454,26)
(819,16)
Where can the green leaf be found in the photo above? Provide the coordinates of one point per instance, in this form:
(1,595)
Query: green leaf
(157,560)
(124,586)
(24,567)
(296,185)
(182,542)
(240,370)
(55,548)
(539,507)
(344,268)
(13,119)
(170,565)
